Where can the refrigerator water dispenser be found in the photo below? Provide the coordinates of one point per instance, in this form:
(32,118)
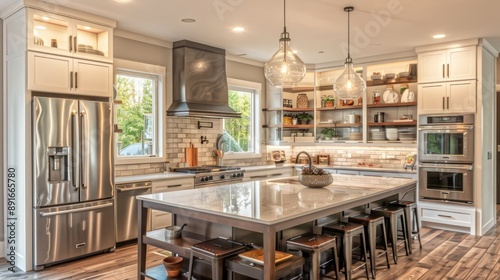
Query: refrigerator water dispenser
(58,164)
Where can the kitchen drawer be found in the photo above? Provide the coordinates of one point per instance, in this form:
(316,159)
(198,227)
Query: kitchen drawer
(160,219)
(446,217)
(389,174)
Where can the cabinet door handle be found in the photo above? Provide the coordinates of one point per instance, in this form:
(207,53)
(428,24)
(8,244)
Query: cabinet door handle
(448,102)
(74,44)
(443,71)
(443,103)
(76,80)
(70,45)
(446,216)
(71,79)
(174,186)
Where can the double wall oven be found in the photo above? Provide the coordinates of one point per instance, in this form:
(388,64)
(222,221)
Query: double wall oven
(446,156)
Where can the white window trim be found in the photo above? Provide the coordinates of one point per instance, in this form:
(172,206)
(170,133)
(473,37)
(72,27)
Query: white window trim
(257,88)
(161,72)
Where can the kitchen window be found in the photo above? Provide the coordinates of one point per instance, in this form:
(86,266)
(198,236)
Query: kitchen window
(139,103)
(241,135)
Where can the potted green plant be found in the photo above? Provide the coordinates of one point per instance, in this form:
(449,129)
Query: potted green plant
(329,101)
(329,133)
(305,117)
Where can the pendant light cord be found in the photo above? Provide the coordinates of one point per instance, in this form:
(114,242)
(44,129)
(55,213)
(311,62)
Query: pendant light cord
(284,16)
(349,34)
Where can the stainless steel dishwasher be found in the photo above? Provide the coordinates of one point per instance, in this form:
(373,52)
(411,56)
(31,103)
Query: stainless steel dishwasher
(126,209)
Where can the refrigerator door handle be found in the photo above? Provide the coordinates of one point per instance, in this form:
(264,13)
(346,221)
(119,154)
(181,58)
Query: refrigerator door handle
(83,148)
(84,209)
(73,150)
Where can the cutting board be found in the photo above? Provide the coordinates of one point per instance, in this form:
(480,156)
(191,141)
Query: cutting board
(192,155)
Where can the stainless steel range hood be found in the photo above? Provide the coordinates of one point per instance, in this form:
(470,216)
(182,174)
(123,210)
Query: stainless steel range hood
(199,82)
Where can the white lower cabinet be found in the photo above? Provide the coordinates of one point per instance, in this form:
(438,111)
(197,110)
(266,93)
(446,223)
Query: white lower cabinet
(60,74)
(161,219)
(447,216)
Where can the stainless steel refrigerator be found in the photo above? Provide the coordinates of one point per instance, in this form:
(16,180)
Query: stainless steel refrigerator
(73,205)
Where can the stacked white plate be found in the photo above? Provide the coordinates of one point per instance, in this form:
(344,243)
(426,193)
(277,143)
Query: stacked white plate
(391,134)
(378,135)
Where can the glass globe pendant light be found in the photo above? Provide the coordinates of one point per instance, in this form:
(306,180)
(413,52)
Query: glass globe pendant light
(285,69)
(349,85)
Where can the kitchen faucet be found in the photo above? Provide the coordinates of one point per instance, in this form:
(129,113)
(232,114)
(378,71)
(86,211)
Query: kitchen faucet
(308,157)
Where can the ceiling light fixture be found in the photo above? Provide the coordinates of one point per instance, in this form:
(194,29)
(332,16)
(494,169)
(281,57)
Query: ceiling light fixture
(349,85)
(284,69)
(46,18)
(439,36)
(238,29)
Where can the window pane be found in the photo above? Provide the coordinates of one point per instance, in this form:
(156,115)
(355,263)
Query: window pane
(238,132)
(135,116)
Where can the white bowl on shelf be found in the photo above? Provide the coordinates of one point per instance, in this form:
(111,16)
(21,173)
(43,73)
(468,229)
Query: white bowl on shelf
(390,75)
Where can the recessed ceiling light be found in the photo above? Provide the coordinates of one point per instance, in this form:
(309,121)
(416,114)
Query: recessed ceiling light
(439,36)
(86,27)
(238,29)
(188,20)
(123,1)
(46,18)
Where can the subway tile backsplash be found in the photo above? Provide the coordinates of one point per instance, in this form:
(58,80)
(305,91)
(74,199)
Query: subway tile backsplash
(182,131)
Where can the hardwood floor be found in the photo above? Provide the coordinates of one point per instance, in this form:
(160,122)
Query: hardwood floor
(444,255)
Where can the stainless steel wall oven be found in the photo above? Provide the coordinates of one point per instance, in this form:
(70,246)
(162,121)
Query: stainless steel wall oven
(446,155)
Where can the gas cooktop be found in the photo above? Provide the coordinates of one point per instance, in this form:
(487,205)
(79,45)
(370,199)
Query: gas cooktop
(211,175)
(205,169)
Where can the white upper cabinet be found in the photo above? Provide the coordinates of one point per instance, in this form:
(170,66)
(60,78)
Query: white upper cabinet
(451,97)
(56,34)
(59,74)
(447,65)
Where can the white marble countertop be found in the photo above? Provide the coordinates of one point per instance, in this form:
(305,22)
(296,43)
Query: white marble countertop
(278,200)
(176,175)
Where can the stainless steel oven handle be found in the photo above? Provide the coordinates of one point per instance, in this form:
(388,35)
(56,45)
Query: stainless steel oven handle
(84,209)
(125,189)
(446,166)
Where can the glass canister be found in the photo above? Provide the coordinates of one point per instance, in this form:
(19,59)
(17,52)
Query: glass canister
(376,97)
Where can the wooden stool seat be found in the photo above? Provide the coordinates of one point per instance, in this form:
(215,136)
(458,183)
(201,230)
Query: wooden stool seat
(213,252)
(313,245)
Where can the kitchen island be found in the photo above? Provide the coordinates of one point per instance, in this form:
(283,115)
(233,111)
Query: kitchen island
(266,207)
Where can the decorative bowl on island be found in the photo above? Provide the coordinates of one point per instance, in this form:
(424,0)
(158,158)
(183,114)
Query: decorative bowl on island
(313,177)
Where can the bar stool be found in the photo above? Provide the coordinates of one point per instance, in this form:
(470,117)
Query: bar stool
(412,222)
(347,231)
(312,245)
(213,252)
(370,223)
(391,215)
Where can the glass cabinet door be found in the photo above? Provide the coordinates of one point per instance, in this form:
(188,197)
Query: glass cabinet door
(48,33)
(55,34)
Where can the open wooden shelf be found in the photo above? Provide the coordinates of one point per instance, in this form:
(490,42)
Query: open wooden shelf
(391,81)
(288,109)
(385,105)
(345,107)
(412,123)
(339,125)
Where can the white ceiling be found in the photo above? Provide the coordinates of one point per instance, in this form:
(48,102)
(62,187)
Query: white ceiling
(314,25)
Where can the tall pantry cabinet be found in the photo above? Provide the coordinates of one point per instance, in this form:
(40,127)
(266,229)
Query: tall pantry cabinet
(457,78)
(46,48)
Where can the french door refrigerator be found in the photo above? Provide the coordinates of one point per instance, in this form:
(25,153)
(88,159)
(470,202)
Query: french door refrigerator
(73,206)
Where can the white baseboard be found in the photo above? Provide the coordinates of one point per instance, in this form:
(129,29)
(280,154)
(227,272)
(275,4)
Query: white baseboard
(2,249)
